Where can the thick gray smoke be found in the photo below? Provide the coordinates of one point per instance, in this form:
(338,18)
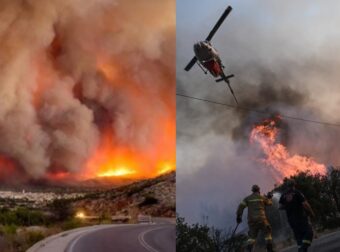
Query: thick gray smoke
(281,66)
(70,69)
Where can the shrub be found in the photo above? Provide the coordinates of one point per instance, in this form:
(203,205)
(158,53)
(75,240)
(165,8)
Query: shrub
(61,209)
(33,237)
(22,217)
(8,229)
(201,238)
(71,224)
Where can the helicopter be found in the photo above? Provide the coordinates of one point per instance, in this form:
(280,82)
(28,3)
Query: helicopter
(207,57)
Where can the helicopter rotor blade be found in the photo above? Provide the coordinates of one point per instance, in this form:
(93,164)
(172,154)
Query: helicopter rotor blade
(191,64)
(219,22)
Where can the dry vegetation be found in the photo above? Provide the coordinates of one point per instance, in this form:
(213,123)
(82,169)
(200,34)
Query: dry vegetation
(154,197)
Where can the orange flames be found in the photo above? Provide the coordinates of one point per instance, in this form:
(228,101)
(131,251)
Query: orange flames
(114,158)
(117,172)
(58,176)
(277,157)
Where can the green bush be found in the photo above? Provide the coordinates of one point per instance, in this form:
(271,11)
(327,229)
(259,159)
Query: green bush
(201,238)
(22,217)
(61,208)
(8,230)
(72,224)
(34,236)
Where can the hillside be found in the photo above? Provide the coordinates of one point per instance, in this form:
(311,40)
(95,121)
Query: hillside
(154,197)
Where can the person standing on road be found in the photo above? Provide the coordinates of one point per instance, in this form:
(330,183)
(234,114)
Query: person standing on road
(257,220)
(298,211)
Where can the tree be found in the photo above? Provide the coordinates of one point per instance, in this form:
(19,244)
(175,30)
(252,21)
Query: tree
(61,208)
(334,186)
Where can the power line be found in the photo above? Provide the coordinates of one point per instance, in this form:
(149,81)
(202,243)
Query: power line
(258,111)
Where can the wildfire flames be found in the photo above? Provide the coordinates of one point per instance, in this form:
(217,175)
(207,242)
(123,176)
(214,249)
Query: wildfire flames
(114,160)
(277,157)
(89,93)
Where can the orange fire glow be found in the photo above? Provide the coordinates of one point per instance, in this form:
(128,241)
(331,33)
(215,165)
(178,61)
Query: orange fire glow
(165,167)
(60,175)
(119,161)
(7,167)
(277,157)
(108,70)
(118,172)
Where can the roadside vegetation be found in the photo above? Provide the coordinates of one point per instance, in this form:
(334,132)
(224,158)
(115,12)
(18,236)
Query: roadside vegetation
(21,227)
(202,238)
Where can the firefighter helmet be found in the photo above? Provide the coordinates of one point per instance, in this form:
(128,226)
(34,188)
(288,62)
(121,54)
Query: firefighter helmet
(255,188)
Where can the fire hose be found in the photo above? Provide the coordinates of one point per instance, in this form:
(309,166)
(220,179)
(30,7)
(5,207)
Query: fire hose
(232,236)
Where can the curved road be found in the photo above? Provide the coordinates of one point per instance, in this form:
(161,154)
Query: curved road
(159,237)
(326,243)
(137,238)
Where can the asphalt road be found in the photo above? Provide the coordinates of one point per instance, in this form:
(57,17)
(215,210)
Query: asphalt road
(326,243)
(127,238)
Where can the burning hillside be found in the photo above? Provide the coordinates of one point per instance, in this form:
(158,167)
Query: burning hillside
(276,156)
(133,199)
(85,89)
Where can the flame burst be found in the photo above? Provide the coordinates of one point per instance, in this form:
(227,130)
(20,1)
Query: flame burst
(118,172)
(282,163)
(113,160)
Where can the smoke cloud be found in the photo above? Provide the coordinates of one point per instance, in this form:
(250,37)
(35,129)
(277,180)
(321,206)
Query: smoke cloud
(75,73)
(281,65)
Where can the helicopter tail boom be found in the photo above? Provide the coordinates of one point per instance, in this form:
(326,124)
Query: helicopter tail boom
(225,78)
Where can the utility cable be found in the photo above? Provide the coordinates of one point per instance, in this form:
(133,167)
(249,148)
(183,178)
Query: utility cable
(258,111)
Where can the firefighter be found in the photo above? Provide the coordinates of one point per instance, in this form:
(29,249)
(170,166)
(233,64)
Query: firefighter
(298,211)
(257,220)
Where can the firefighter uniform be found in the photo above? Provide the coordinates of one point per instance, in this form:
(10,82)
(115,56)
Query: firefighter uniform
(257,220)
(292,201)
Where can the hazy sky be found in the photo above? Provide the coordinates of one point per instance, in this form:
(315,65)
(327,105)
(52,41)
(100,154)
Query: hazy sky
(284,57)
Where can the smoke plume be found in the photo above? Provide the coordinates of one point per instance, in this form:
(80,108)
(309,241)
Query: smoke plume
(76,73)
